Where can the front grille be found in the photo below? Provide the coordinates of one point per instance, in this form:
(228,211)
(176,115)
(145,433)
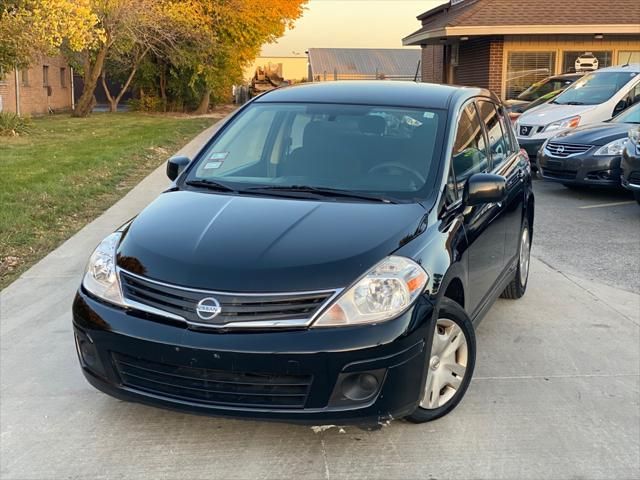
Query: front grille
(564,150)
(634,178)
(560,173)
(234,308)
(213,387)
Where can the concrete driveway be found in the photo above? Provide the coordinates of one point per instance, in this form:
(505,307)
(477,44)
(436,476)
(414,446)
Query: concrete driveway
(556,394)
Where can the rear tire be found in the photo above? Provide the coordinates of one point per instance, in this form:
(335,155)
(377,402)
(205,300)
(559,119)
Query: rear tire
(518,286)
(450,364)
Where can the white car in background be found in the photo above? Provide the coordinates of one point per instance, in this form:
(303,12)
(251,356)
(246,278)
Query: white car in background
(596,97)
(586,62)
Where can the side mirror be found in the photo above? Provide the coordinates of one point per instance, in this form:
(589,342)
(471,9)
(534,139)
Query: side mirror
(484,188)
(176,165)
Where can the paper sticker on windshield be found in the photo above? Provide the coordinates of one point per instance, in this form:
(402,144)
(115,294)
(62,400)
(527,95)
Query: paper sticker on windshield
(218,156)
(210,165)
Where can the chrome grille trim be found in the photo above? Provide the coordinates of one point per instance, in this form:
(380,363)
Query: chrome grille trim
(565,150)
(248,324)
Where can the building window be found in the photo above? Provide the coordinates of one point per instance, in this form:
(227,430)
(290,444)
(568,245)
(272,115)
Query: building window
(24,73)
(63,77)
(3,76)
(526,68)
(628,56)
(45,75)
(570,60)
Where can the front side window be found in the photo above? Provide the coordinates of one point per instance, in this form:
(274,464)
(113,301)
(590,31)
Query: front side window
(595,88)
(387,151)
(469,154)
(527,68)
(631,115)
(498,145)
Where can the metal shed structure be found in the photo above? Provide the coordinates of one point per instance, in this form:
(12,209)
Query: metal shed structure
(328,64)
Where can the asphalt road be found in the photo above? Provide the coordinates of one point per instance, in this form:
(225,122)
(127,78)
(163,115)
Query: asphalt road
(556,392)
(592,233)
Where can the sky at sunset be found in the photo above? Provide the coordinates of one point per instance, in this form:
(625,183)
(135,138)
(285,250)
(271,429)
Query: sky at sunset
(352,23)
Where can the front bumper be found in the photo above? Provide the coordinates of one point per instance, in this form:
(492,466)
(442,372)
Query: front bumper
(584,169)
(630,167)
(297,376)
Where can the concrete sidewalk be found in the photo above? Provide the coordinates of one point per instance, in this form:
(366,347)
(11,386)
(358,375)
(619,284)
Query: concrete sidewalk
(555,395)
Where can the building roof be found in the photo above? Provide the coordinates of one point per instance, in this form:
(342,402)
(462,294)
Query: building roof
(373,92)
(513,17)
(390,62)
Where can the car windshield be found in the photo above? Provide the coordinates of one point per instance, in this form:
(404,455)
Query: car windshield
(298,149)
(537,90)
(630,115)
(595,88)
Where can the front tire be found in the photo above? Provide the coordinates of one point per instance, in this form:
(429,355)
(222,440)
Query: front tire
(518,286)
(450,363)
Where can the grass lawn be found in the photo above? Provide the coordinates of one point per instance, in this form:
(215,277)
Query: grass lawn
(69,170)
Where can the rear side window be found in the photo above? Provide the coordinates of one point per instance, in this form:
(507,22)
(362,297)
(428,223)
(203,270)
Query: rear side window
(498,143)
(469,154)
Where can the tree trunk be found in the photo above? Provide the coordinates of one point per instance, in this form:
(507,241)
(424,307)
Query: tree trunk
(91,75)
(114,101)
(163,87)
(204,103)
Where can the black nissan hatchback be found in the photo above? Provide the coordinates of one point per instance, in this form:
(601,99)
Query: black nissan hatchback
(324,258)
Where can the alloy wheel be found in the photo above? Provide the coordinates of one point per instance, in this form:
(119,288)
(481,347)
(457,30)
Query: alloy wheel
(447,364)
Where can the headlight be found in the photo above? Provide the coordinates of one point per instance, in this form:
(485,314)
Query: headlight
(384,292)
(634,135)
(564,123)
(100,278)
(612,148)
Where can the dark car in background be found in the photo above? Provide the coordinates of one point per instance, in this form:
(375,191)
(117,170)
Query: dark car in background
(324,258)
(588,155)
(630,175)
(555,83)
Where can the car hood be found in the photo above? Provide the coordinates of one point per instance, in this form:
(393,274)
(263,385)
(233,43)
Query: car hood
(258,244)
(550,112)
(594,134)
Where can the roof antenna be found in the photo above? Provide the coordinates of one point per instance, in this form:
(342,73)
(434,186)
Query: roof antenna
(628,60)
(415,78)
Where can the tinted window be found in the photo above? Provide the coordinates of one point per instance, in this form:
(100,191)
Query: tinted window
(469,152)
(631,115)
(387,150)
(498,145)
(595,88)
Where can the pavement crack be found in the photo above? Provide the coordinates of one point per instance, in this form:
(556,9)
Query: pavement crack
(546,377)
(593,295)
(327,475)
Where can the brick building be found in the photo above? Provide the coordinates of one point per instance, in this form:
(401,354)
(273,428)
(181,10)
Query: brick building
(506,45)
(44,86)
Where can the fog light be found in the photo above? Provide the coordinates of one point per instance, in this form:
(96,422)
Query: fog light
(88,354)
(359,386)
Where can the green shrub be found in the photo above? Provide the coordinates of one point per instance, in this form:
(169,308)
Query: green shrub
(146,104)
(12,124)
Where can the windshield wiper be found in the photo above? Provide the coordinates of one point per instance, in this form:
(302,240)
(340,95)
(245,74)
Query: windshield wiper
(321,191)
(211,185)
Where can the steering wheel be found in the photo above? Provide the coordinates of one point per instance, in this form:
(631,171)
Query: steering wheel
(400,166)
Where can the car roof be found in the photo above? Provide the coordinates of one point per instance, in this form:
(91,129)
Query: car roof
(568,75)
(631,67)
(375,92)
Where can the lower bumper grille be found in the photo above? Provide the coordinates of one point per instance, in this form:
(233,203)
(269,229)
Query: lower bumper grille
(634,178)
(214,387)
(559,173)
